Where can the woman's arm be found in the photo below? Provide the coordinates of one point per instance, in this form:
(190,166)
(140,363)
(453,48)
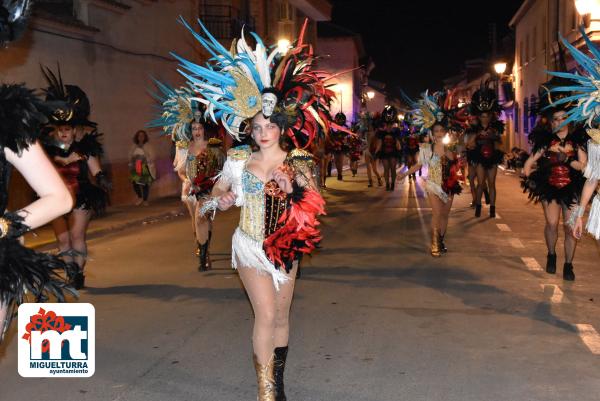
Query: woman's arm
(581,161)
(55,199)
(530,161)
(414,168)
(586,195)
(94,165)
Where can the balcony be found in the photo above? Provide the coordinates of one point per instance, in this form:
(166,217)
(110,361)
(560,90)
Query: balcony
(225,22)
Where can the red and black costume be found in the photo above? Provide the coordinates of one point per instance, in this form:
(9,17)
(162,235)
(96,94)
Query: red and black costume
(486,140)
(555,179)
(77,175)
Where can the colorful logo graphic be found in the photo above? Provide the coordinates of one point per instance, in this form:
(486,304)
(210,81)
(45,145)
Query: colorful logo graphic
(56,340)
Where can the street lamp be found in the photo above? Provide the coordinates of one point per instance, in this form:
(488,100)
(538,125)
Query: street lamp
(283,45)
(370,95)
(500,67)
(586,8)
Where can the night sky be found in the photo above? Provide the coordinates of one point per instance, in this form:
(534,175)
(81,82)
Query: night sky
(416,44)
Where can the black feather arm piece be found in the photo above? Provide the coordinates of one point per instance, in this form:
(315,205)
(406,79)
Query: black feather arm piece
(103,181)
(498,125)
(25,271)
(22,114)
(12,225)
(90,144)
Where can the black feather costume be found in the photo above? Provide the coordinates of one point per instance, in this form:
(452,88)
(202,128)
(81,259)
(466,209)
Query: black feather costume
(22,269)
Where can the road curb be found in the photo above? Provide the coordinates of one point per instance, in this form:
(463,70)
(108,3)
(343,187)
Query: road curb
(116,227)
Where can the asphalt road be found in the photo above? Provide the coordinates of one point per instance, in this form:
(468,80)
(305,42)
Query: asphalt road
(374,318)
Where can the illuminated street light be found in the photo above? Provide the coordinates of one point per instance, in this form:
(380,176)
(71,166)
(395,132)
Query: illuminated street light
(500,67)
(587,8)
(370,95)
(400,117)
(446,139)
(283,45)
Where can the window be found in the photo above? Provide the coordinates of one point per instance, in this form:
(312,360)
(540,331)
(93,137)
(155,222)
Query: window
(527,48)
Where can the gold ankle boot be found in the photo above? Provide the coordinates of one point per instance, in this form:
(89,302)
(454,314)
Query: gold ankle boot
(265,380)
(435,244)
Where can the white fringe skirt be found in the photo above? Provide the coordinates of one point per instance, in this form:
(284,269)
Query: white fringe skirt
(435,189)
(593,223)
(246,252)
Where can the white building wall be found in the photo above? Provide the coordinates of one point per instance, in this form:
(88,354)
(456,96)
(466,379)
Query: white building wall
(116,81)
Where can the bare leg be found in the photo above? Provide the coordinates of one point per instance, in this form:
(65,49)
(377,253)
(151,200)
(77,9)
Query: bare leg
(386,171)
(444,215)
(262,296)
(283,300)
(552,214)
(202,225)
(436,211)
(60,226)
(78,224)
(481,176)
(339,164)
(472,174)
(570,241)
(393,164)
(491,184)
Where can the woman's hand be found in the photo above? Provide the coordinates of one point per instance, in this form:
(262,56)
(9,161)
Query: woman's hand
(283,180)
(578,228)
(226,200)
(72,158)
(187,185)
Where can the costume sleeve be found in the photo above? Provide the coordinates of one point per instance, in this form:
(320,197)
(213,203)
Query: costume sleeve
(592,170)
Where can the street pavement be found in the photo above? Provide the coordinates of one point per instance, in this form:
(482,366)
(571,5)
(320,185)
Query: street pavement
(375,317)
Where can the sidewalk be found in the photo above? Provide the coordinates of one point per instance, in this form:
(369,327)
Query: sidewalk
(116,218)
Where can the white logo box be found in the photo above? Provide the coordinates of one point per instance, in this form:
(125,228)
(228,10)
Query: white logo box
(77,362)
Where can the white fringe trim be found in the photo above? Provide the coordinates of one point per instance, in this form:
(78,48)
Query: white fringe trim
(593,224)
(435,189)
(247,252)
(592,170)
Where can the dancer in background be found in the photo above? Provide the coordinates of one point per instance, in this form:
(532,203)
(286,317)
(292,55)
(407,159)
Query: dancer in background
(441,160)
(558,152)
(141,167)
(388,146)
(484,143)
(198,159)
(73,147)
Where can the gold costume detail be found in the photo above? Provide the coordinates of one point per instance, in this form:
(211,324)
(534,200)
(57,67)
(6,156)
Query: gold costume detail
(4,227)
(244,91)
(594,133)
(182,144)
(252,220)
(265,379)
(239,153)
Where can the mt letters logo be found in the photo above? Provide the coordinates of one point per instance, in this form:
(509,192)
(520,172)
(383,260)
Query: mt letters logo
(57,340)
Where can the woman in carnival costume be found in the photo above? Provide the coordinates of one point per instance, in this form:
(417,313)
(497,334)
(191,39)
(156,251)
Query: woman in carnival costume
(76,159)
(486,138)
(389,146)
(365,125)
(198,159)
(24,272)
(283,103)
(338,144)
(442,163)
(581,91)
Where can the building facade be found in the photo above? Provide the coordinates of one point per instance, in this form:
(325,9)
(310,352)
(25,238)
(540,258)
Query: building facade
(111,49)
(537,25)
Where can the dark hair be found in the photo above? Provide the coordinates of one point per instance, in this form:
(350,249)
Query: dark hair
(440,124)
(135,137)
(279,119)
